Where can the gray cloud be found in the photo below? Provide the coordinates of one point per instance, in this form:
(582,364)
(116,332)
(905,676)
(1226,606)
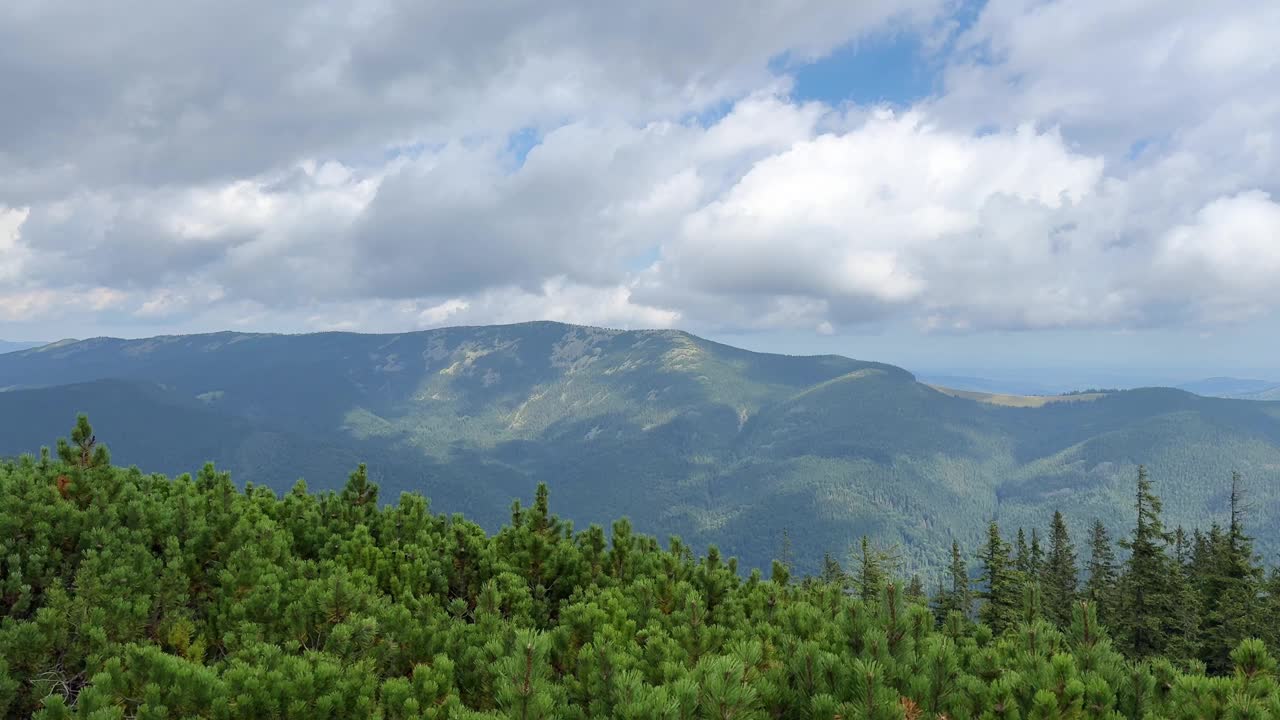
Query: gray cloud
(207,91)
(1084,166)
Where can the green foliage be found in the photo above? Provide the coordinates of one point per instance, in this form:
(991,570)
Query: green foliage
(1148,598)
(1060,576)
(128,595)
(1002,583)
(738,445)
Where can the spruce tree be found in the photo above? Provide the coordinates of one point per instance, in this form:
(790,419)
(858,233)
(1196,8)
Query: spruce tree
(1037,554)
(1001,589)
(1147,601)
(1101,588)
(915,590)
(1059,578)
(870,579)
(956,596)
(1022,554)
(831,570)
(1229,588)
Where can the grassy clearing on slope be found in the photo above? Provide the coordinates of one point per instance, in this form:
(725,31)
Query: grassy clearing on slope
(1020,401)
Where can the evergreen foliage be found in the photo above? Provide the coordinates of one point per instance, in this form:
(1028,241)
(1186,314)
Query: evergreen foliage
(1001,583)
(1100,588)
(128,595)
(1060,575)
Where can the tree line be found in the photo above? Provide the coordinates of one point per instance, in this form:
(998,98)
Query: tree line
(129,595)
(1189,597)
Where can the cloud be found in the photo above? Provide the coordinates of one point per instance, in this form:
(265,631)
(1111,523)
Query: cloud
(883,217)
(1083,165)
(1112,73)
(1224,263)
(13,256)
(134,94)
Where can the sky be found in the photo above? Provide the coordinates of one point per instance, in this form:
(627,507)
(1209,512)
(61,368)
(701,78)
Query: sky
(940,184)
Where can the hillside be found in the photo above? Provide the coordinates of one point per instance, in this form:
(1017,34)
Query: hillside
(682,435)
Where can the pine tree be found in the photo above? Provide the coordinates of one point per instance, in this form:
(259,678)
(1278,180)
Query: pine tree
(1001,591)
(1101,588)
(83,451)
(1060,576)
(151,598)
(1147,601)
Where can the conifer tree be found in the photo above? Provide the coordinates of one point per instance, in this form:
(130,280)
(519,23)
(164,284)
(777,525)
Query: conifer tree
(1001,590)
(1037,553)
(1060,576)
(784,552)
(83,451)
(831,570)
(1147,600)
(956,595)
(870,579)
(1230,587)
(150,598)
(1022,554)
(915,590)
(1101,588)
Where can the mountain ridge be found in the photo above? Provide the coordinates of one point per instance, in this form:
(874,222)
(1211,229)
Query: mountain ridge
(684,435)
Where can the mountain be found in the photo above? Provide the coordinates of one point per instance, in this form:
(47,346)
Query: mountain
(681,434)
(13,345)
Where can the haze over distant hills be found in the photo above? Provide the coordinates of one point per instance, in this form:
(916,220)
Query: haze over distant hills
(1052,382)
(683,435)
(1229,387)
(12,345)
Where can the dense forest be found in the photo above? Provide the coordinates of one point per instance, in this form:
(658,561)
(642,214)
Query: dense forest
(679,434)
(132,595)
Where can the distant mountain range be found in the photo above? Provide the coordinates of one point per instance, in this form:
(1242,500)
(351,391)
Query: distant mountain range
(685,436)
(1222,387)
(1229,387)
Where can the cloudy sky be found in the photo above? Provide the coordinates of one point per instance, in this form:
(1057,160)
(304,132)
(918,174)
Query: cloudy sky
(919,181)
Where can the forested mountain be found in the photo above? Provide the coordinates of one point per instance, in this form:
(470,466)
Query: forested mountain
(125,595)
(751,451)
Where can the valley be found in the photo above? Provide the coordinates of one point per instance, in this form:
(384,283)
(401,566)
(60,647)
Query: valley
(682,435)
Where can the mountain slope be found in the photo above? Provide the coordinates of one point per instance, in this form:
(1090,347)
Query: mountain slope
(684,435)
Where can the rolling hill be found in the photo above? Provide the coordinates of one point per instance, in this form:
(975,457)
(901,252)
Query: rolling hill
(681,434)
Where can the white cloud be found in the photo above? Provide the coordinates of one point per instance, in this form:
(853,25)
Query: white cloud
(12,254)
(135,94)
(1112,71)
(1225,263)
(1085,164)
(877,217)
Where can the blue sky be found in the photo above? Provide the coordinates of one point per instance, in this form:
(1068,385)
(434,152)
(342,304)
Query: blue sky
(998,185)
